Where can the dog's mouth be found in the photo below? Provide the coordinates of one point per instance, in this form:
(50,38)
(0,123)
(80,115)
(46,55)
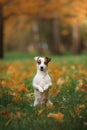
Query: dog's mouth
(41,68)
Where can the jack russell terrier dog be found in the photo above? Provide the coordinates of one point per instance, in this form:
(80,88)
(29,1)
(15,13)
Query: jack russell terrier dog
(42,82)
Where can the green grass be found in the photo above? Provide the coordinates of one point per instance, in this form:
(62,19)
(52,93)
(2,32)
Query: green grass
(21,115)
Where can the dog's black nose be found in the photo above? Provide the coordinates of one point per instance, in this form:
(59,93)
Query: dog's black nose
(41,67)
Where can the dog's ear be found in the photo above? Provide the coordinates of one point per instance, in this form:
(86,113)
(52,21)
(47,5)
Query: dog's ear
(36,58)
(48,59)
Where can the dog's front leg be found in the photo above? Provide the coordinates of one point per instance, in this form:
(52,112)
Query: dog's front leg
(36,103)
(38,87)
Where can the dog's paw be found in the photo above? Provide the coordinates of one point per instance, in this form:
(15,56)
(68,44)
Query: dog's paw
(46,87)
(41,90)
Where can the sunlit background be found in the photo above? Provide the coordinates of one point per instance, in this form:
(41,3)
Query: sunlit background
(43,26)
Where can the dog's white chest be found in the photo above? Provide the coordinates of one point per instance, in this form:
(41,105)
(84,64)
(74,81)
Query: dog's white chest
(42,80)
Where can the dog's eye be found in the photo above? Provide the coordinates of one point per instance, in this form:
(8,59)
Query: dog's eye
(45,63)
(39,62)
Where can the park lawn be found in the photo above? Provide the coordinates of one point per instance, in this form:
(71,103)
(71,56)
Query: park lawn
(68,94)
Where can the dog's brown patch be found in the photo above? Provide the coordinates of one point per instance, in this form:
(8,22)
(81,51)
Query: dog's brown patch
(47,60)
(38,61)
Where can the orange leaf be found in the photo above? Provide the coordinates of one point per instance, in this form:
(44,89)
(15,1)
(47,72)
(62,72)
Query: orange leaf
(20,89)
(40,111)
(57,73)
(58,116)
(84,88)
(6,114)
(18,115)
(55,92)
(50,106)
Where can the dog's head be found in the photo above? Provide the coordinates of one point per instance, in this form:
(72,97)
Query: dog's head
(42,63)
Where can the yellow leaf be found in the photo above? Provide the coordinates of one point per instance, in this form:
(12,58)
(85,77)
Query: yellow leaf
(58,116)
(82,106)
(40,111)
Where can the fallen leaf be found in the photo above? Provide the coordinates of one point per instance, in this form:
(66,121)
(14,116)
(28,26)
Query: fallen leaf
(20,89)
(57,73)
(78,109)
(40,111)
(8,122)
(60,81)
(50,106)
(85,123)
(84,88)
(82,106)
(79,85)
(55,92)
(18,115)
(6,114)
(57,116)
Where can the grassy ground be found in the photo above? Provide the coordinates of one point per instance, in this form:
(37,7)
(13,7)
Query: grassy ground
(68,94)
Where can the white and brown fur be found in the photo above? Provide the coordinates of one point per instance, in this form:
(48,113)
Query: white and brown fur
(42,81)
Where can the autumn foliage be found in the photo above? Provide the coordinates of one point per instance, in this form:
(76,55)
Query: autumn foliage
(66,9)
(68,95)
(22,14)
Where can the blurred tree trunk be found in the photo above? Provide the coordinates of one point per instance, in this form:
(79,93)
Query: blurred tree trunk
(55,43)
(1,31)
(76,42)
(36,35)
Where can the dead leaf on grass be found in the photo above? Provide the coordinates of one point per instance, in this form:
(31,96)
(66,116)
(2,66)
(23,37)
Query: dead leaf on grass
(40,111)
(50,106)
(8,122)
(57,116)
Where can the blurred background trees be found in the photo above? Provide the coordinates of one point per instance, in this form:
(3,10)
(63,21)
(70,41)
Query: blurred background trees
(54,26)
